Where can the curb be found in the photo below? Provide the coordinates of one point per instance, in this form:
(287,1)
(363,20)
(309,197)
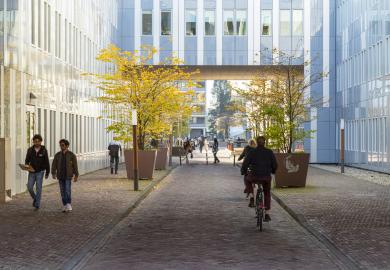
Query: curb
(340,258)
(82,255)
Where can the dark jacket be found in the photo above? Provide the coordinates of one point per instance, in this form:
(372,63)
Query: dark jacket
(245,152)
(260,161)
(71,165)
(38,161)
(114,149)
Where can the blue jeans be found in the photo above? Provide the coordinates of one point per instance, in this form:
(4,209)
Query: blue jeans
(35,179)
(66,190)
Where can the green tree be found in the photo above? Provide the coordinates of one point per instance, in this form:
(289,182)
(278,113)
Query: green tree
(222,116)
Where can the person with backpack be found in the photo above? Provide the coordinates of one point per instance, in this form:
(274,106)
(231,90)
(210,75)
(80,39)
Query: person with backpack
(215,151)
(114,149)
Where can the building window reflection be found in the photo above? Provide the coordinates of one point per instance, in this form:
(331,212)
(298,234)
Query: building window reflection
(166,23)
(190,17)
(228,22)
(297,23)
(209,22)
(147,22)
(266,22)
(285,22)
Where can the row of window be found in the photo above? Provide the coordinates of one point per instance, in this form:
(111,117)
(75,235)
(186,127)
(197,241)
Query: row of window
(368,65)
(366,135)
(71,44)
(234,22)
(85,134)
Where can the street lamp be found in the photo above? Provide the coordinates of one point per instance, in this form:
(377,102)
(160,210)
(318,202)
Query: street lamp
(342,144)
(135,148)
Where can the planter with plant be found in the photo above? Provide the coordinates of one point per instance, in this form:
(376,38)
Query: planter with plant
(277,108)
(154,91)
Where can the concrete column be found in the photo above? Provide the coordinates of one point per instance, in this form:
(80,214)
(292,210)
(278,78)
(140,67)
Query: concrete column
(5,176)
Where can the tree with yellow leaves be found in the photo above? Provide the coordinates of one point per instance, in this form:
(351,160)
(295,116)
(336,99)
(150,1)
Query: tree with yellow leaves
(154,91)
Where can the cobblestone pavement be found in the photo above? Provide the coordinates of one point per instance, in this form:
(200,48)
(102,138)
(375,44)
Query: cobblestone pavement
(353,214)
(47,238)
(374,177)
(199,219)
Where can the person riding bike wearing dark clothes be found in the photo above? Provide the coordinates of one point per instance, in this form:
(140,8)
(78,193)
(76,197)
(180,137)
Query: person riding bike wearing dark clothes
(259,164)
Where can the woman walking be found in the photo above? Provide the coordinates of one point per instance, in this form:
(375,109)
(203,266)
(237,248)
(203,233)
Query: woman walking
(215,151)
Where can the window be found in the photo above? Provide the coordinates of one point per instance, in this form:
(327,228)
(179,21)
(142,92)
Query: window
(147,23)
(166,23)
(241,22)
(190,22)
(209,22)
(297,22)
(285,21)
(228,22)
(266,22)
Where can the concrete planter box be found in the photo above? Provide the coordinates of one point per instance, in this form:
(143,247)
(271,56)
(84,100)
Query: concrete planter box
(146,163)
(292,169)
(161,159)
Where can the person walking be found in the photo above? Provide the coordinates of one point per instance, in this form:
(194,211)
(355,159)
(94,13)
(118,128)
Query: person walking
(37,163)
(201,143)
(64,168)
(215,151)
(114,149)
(251,145)
(259,164)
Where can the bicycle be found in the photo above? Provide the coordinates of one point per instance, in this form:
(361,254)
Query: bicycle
(259,207)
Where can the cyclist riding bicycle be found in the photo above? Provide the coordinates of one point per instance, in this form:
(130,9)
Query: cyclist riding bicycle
(258,166)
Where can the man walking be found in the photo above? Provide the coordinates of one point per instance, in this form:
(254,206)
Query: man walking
(65,168)
(201,143)
(258,166)
(114,148)
(37,161)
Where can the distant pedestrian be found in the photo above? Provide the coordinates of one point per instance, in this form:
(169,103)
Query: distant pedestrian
(114,149)
(37,162)
(215,150)
(64,168)
(201,143)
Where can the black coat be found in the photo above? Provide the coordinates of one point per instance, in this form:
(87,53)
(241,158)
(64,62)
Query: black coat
(260,161)
(39,161)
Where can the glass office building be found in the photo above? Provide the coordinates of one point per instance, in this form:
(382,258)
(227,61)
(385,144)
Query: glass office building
(45,46)
(347,39)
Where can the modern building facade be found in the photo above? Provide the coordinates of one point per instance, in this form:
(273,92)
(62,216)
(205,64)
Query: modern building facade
(346,39)
(198,121)
(45,46)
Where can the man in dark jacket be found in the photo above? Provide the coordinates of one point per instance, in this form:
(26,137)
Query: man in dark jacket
(37,160)
(114,149)
(64,168)
(259,164)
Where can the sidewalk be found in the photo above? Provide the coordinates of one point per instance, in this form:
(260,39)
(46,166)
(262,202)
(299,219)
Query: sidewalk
(353,214)
(48,238)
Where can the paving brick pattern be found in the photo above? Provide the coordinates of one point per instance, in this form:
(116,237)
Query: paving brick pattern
(198,219)
(353,213)
(47,238)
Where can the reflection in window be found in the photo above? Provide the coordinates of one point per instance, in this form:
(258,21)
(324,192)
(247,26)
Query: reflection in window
(285,21)
(209,22)
(297,22)
(228,22)
(266,22)
(190,22)
(241,22)
(147,23)
(166,23)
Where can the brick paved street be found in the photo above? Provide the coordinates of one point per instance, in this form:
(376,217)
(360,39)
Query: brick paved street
(353,214)
(47,238)
(199,219)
